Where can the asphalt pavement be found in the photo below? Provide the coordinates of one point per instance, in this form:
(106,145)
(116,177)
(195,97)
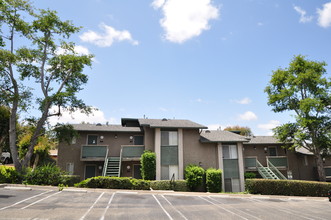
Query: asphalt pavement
(33,202)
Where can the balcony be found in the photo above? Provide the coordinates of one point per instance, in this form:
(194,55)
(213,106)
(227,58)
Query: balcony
(93,153)
(132,152)
(279,162)
(250,163)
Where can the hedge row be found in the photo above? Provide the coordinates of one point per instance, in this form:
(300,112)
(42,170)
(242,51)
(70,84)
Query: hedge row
(287,187)
(131,183)
(43,175)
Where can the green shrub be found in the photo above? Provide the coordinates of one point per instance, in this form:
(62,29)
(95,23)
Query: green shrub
(177,185)
(214,180)
(148,165)
(45,175)
(70,180)
(9,175)
(250,175)
(161,185)
(180,185)
(140,184)
(194,176)
(106,182)
(287,187)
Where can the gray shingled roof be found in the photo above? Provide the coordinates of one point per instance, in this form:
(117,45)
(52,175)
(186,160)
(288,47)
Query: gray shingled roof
(221,136)
(170,123)
(111,128)
(263,140)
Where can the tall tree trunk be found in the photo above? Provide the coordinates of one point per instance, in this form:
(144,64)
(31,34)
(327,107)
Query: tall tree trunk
(36,134)
(320,167)
(36,161)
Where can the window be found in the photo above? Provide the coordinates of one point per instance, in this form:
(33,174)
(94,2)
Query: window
(92,139)
(70,168)
(169,154)
(138,140)
(230,152)
(272,151)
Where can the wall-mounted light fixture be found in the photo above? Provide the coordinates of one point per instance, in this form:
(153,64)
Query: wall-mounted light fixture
(100,167)
(101,138)
(131,138)
(200,164)
(254,147)
(265,150)
(128,168)
(115,136)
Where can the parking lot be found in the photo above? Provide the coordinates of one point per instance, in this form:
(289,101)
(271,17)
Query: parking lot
(49,203)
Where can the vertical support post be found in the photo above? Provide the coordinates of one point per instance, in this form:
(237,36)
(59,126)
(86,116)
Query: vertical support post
(157,144)
(180,154)
(241,167)
(220,163)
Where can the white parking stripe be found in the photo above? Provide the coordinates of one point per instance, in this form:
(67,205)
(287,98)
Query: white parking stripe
(289,211)
(25,200)
(246,213)
(110,200)
(174,207)
(92,206)
(169,216)
(40,200)
(225,209)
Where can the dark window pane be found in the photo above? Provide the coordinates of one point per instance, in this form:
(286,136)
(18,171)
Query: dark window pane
(138,140)
(169,155)
(92,139)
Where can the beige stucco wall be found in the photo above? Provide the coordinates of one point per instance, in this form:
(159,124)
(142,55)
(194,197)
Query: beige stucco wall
(149,138)
(196,152)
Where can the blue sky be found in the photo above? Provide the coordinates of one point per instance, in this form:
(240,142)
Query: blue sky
(206,61)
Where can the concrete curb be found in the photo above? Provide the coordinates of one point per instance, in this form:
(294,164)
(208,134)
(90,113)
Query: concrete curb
(18,188)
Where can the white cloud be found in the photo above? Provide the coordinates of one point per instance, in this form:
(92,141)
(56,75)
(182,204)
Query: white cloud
(243,101)
(185,19)
(259,24)
(324,18)
(107,38)
(77,117)
(303,17)
(247,116)
(272,124)
(80,50)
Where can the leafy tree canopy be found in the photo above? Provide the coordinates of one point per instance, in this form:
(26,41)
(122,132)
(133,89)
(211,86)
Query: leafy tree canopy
(244,131)
(303,89)
(35,49)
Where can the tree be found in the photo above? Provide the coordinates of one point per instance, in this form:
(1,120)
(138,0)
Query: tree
(4,128)
(47,59)
(302,89)
(244,131)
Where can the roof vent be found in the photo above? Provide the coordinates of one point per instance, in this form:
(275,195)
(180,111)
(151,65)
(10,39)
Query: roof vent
(164,119)
(99,124)
(207,131)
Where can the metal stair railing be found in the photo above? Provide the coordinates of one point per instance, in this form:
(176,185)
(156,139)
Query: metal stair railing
(105,164)
(276,171)
(265,172)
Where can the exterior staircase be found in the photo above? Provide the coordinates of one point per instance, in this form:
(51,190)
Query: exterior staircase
(270,172)
(112,166)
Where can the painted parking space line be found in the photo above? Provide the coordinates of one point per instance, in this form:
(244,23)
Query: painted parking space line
(288,211)
(165,211)
(17,203)
(238,210)
(96,201)
(40,200)
(108,205)
(225,209)
(180,213)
